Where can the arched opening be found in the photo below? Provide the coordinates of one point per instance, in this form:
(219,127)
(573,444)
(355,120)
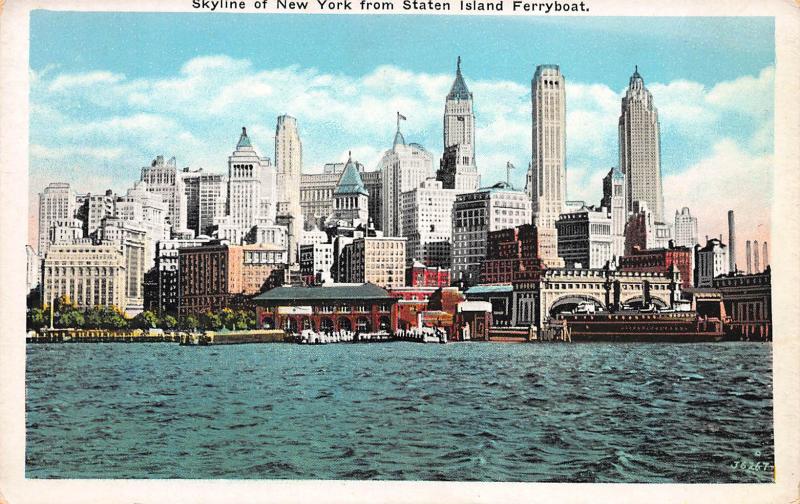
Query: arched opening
(307,323)
(575,304)
(291,325)
(385,323)
(344,324)
(268,323)
(326,324)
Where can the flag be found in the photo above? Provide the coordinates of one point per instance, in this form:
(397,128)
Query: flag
(461,118)
(401,116)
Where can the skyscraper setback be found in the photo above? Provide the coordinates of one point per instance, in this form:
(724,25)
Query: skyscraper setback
(640,147)
(549,147)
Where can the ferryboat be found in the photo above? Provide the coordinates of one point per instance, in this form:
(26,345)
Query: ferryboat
(642,326)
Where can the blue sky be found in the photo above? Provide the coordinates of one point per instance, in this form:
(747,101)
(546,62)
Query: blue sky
(111,91)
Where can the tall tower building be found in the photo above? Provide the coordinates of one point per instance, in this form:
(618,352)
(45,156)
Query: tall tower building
(288,165)
(640,147)
(251,192)
(457,168)
(549,148)
(56,204)
(164,179)
(403,168)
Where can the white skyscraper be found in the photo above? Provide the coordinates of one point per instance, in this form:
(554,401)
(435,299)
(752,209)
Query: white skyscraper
(614,203)
(165,180)
(426,218)
(403,168)
(56,204)
(288,166)
(640,147)
(457,169)
(251,192)
(549,147)
(685,228)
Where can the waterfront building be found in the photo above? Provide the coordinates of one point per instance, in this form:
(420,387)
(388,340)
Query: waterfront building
(549,148)
(89,275)
(33,267)
(164,179)
(614,202)
(585,239)
(403,168)
(661,261)
(378,260)
(748,301)
(640,147)
(164,297)
(56,204)
(420,275)
(499,297)
(361,307)
(251,192)
(217,275)
(427,223)
(477,213)
(457,169)
(710,262)
(133,240)
(316,262)
(288,166)
(685,228)
(511,256)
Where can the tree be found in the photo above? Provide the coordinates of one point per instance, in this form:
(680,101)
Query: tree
(145,320)
(245,319)
(210,321)
(70,318)
(37,318)
(190,322)
(168,322)
(113,318)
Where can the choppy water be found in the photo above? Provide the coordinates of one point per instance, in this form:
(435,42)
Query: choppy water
(489,412)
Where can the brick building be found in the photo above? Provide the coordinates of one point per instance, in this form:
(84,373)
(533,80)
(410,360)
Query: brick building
(660,261)
(511,255)
(419,275)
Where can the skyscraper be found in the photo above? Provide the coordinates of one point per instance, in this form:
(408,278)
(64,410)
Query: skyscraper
(165,180)
(56,204)
(288,165)
(549,146)
(640,147)
(458,169)
(614,203)
(403,168)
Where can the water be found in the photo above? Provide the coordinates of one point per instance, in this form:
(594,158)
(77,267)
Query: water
(487,412)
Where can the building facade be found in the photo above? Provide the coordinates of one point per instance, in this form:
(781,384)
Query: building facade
(585,239)
(164,179)
(426,222)
(640,147)
(377,260)
(660,261)
(403,168)
(288,166)
(316,261)
(614,203)
(511,256)
(89,275)
(56,204)
(474,216)
(549,148)
(685,228)
(710,262)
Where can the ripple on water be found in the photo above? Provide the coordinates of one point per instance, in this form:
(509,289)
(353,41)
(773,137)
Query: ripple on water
(593,412)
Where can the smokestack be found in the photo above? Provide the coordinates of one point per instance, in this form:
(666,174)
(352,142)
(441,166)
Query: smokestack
(765,255)
(757,268)
(731,242)
(749,260)
(706,239)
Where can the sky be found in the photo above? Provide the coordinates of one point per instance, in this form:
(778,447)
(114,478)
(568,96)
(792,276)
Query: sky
(110,91)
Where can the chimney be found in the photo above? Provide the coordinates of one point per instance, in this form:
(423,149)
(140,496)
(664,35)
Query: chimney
(765,255)
(749,258)
(756,264)
(731,242)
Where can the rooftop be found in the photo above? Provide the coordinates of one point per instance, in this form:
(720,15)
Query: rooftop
(333,293)
(350,181)
(459,90)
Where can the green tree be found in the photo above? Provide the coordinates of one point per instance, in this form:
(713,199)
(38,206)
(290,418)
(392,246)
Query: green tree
(211,321)
(190,322)
(228,318)
(145,320)
(70,318)
(168,322)
(37,318)
(113,318)
(245,319)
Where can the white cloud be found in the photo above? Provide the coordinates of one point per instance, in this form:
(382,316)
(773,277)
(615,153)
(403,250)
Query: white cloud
(65,82)
(729,179)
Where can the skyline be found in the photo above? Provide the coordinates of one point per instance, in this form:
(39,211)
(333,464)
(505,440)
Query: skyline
(109,116)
